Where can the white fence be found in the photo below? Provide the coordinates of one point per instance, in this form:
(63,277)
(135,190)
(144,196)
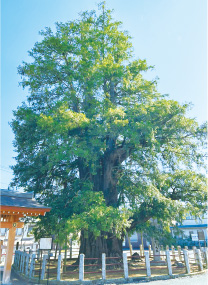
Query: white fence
(25,263)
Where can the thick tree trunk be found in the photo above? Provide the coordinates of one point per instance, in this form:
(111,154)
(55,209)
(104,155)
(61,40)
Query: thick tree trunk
(104,180)
(93,247)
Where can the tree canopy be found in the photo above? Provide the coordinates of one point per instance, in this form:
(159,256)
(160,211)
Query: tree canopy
(97,141)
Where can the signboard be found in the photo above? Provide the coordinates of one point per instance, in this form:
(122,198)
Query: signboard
(194,237)
(46,243)
(201,235)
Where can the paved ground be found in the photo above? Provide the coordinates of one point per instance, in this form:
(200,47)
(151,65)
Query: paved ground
(15,279)
(201,279)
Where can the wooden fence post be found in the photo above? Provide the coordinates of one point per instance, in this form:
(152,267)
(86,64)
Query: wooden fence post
(195,254)
(141,250)
(130,245)
(59,267)
(21,258)
(71,252)
(23,261)
(198,252)
(43,266)
(125,264)
(15,256)
(32,265)
(17,260)
(27,264)
(206,255)
(103,266)
(147,262)
(186,259)
(179,252)
(81,267)
(150,250)
(38,254)
(168,262)
(162,252)
(173,252)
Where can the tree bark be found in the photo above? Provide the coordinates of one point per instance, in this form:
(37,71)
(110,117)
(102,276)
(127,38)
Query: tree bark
(105,180)
(93,247)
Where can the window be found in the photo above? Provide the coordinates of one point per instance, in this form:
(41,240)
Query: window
(190,233)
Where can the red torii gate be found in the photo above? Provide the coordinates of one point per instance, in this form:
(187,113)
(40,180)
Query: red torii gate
(13,206)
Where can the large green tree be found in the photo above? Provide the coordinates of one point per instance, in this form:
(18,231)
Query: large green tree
(97,136)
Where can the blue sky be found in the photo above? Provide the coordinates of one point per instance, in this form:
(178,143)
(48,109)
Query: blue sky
(170,34)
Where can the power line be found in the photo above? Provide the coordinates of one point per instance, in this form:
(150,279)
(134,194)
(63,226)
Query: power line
(5,170)
(5,167)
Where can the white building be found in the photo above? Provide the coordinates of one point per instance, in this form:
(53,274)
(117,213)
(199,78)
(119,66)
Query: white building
(192,228)
(23,237)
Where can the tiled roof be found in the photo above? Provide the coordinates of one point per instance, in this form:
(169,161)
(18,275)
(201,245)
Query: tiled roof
(16,199)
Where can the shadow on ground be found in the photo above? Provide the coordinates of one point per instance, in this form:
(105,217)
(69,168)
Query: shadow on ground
(16,279)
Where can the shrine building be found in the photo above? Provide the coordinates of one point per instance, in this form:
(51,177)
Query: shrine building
(13,207)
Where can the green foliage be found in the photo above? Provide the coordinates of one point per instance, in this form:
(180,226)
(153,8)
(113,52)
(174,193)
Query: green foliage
(95,138)
(160,232)
(92,215)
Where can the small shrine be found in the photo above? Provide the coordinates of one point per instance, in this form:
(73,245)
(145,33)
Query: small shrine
(13,207)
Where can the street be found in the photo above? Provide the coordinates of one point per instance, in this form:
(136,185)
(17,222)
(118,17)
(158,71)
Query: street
(201,279)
